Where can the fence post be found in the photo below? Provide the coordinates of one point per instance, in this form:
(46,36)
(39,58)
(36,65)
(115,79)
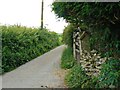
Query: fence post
(80,43)
(80,47)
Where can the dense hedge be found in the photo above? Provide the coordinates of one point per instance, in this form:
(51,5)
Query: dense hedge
(68,35)
(21,44)
(102,20)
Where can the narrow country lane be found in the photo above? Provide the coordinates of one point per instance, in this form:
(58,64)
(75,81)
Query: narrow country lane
(41,72)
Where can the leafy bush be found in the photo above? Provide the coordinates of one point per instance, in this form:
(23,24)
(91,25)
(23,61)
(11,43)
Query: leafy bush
(76,77)
(105,41)
(61,39)
(68,35)
(67,59)
(21,44)
(110,75)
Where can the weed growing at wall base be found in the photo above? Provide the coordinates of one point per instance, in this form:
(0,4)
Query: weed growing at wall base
(76,77)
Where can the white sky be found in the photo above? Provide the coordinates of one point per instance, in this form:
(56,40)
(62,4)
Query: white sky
(28,13)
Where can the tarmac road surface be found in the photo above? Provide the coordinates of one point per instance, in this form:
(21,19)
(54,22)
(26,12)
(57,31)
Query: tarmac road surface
(42,72)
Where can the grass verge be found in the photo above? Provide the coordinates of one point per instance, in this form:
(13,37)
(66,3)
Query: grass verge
(67,59)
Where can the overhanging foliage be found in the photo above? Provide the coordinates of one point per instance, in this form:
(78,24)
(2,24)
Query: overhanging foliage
(97,13)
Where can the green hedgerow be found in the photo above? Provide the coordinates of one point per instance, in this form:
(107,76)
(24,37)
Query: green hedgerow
(22,44)
(67,59)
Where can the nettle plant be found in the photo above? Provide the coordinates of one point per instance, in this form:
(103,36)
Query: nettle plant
(110,74)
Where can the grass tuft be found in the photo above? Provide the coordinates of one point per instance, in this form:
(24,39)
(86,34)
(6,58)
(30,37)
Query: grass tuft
(67,59)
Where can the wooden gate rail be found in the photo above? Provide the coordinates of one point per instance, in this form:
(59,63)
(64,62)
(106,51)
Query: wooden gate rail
(77,43)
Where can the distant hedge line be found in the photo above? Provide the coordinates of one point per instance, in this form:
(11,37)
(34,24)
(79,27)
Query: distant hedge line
(21,44)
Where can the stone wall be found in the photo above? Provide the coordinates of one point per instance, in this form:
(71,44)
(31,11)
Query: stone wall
(91,62)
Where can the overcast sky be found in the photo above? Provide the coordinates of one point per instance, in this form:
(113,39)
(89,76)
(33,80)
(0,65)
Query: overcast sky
(28,13)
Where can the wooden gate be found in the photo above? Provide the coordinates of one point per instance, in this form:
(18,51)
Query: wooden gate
(79,38)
